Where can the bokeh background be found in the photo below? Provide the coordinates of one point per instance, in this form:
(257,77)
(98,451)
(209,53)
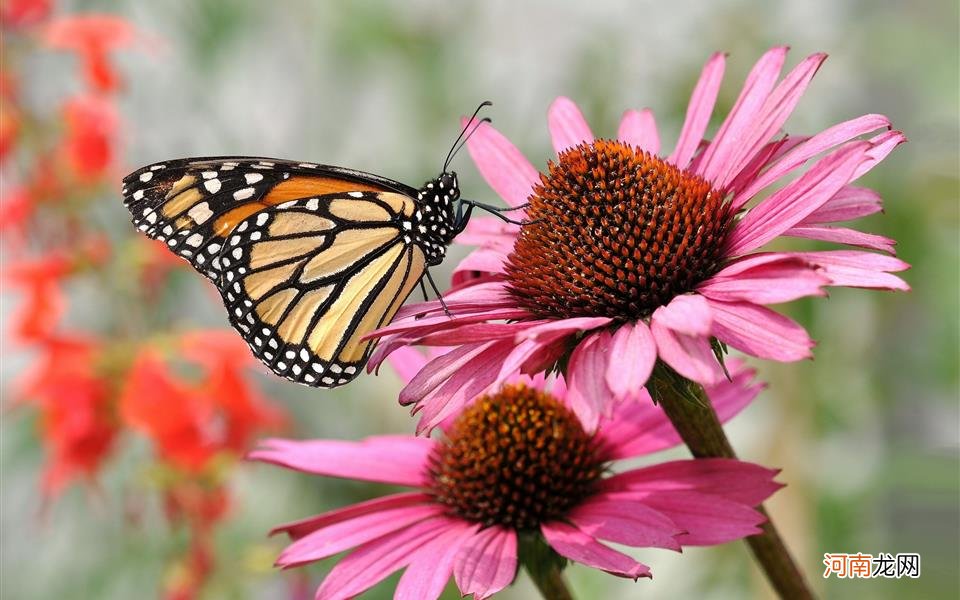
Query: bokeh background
(866,434)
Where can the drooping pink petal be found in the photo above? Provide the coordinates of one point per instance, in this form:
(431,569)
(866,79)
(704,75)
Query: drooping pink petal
(851,268)
(634,353)
(843,235)
(544,356)
(625,521)
(883,144)
(791,204)
(638,128)
(439,370)
(767,156)
(823,141)
(298,529)
(775,111)
(587,392)
(417,329)
(472,380)
(688,314)
(780,281)
(482,297)
(337,537)
(690,356)
(567,126)
(398,459)
(849,203)
(488,232)
(407,362)
(731,479)
(487,563)
(640,427)
(733,130)
(699,110)
(375,561)
(707,519)
(432,564)
(759,331)
(576,545)
(554,329)
(503,167)
(482,261)
(475,332)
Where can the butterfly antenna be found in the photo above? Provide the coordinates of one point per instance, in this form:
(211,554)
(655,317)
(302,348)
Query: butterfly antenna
(453,148)
(470,135)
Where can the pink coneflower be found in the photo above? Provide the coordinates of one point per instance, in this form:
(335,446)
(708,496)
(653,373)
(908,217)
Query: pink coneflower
(514,466)
(629,256)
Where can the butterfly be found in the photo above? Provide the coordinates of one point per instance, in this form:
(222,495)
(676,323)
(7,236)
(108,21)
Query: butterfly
(308,258)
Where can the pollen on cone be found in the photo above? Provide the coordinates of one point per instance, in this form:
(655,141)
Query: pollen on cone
(615,231)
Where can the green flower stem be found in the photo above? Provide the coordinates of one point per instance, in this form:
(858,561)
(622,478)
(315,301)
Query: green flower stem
(692,414)
(545,567)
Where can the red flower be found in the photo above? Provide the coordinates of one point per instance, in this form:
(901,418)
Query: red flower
(16,209)
(245,411)
(77,425)
(93,37)
(9,115)
(40,280)
(23,13)
(190,424)
(164,408)
(92,130)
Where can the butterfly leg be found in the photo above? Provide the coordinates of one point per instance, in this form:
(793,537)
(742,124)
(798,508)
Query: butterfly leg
(436,291)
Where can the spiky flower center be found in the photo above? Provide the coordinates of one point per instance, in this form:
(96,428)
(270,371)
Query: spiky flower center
(516,458)
(615,231)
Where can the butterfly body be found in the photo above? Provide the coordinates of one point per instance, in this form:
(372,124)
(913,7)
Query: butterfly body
(308,258)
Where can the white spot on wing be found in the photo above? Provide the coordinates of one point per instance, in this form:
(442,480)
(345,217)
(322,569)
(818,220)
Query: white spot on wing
(212,185)
(243,194)
(253,178)
(200,213)
(145,177)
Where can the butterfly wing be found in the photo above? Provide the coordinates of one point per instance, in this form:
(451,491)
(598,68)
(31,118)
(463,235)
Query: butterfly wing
(193,204)
(308,258)
(305,280)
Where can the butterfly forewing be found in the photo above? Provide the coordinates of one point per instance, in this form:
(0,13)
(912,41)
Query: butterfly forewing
(193,204)
(304,281)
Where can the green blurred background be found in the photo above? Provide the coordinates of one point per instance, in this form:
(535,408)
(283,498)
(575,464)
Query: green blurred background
(867,434)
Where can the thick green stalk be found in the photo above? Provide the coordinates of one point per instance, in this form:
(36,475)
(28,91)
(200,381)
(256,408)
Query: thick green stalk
(545,567)
(693,416)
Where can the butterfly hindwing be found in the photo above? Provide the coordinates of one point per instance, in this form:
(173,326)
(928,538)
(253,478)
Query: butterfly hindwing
(305,280)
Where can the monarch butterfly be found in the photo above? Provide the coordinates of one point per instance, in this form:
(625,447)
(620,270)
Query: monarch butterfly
(308,258)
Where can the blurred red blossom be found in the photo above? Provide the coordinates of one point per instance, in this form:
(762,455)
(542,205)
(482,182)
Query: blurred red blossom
(16,210)
(89,146)
(93,37)
(24,13)
(77,424)
(10,116)
(40,280)
(198,426)
(191,423)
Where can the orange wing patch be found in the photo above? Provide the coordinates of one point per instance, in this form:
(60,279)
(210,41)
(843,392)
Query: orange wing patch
(304,187)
